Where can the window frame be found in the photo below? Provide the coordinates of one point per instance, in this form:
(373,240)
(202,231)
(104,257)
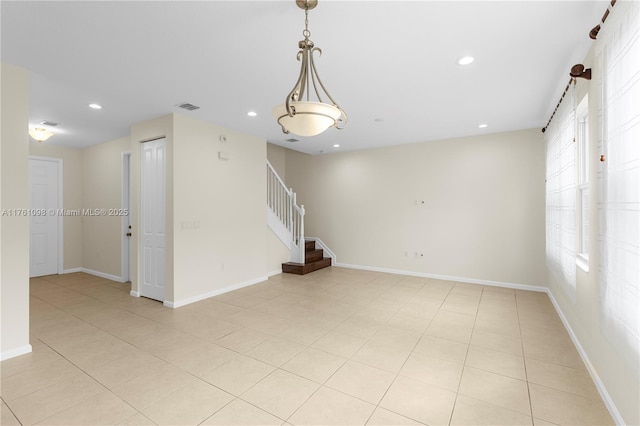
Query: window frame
(582,184)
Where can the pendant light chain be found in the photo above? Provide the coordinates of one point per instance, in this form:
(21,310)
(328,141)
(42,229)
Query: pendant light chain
(308,45)
(306,33)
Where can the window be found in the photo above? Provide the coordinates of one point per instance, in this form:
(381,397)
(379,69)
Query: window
(561,195)
(582,184)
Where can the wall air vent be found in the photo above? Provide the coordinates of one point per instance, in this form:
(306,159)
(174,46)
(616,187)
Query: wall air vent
(188,106)
(48,123)
(292,140)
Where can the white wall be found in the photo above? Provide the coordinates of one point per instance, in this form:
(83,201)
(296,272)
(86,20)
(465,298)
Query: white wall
(220,227)
(277,156)
(14,230)
(72,186)
(277,253)
(482,218)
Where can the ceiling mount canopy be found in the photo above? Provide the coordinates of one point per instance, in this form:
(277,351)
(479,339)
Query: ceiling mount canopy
(305,112)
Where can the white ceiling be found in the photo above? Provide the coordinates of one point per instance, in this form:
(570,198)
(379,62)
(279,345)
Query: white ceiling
(390,60)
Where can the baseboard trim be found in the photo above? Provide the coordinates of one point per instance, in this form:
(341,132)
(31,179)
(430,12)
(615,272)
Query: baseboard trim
(96,273)
(447,278)
(102,274)
(188,301)
(134,293)
(608,401)
(12,353)
(276,272)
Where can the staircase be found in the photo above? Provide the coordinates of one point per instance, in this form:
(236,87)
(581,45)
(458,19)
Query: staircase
(313,260)
(286,220)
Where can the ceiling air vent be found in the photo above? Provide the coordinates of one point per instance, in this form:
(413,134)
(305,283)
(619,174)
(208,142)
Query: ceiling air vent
(188,106)
(48,123)
(292,140)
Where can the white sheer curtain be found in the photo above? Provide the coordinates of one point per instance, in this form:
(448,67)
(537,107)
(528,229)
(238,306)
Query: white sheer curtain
(618,50)
(561,195)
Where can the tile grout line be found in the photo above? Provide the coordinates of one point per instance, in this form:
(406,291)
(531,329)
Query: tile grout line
(119,338)
(83,372)
(464,362)
(398,299)
(15,416)
(524,362)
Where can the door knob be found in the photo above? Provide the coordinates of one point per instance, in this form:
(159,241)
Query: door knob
(128,234)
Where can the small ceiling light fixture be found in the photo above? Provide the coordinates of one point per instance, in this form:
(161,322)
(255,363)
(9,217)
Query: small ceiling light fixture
(300,114)
(40,134)
(465,60)
(95,106)
(482,126)
(252,114)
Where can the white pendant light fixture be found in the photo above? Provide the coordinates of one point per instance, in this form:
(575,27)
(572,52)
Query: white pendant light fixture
(302,114)
(40,134)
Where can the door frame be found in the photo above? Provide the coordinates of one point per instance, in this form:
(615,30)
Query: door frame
(125,252)
(60,207)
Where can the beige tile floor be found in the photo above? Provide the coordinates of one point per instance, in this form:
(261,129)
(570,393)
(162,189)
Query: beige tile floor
(336,347)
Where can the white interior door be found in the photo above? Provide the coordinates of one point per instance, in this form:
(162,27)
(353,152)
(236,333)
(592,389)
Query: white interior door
(43,247)
(153,219)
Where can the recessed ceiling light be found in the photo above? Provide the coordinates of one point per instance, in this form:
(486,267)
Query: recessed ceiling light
(336,145)
(482,126)
(465,60)
(95,106)
(252,113)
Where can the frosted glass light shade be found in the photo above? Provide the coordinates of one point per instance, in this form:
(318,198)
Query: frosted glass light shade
(40,134)
(310,119)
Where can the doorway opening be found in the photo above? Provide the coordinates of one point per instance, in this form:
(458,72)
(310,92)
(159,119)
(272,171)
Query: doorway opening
(126,218)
